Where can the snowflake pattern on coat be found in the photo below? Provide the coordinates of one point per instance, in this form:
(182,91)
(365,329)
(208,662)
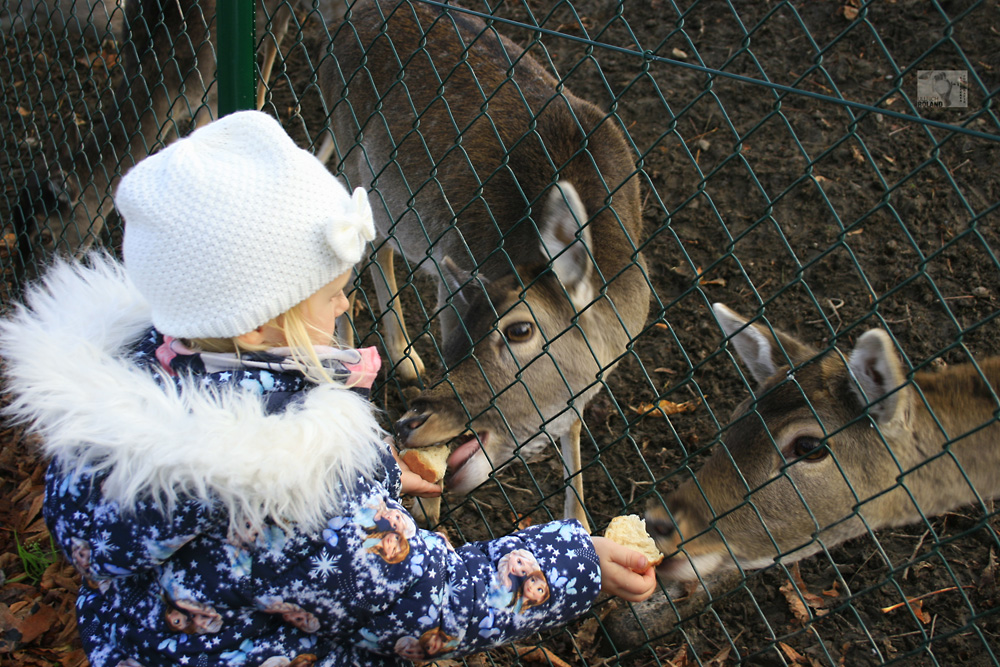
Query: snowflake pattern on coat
(179,587)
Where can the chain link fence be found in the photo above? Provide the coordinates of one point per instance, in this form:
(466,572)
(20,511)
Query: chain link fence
(821,168)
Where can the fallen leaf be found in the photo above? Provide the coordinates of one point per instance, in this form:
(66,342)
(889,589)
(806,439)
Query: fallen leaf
(680,659)
(811,599)
(665,407)
(476,660)
(34,509)
(720,658)
(796,603)
(540,654)
(25,621)
(793,655)
(443,662)
(919,612)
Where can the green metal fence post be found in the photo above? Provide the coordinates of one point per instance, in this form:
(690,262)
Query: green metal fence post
(236,55)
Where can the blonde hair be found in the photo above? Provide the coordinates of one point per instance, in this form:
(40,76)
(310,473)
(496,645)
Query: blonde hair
(292,325)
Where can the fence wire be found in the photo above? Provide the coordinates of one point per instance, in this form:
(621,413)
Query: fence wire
(820,168)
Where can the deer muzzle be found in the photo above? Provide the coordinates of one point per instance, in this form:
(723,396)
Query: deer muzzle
(468,464)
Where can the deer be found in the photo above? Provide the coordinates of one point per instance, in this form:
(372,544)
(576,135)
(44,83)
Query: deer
(167,54)
(520,200)
(75,194)
(98,19)
(830,446)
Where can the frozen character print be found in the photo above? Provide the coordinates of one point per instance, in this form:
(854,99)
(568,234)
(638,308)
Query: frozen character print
(517,563)
(129,662)
(240,561)
(512,568)
(267,537)
(192,617)
(81,553)
(392,547)
(271,538)
(81,556)
(301,660)
(443,536)
(161,550)
(436,641)
(395,519)
(408,647)
(382,516)
(292,613)
(244,535)
(534,591)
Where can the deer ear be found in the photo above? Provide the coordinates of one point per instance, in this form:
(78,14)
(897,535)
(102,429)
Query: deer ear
(454,278)
(877,374)
(566,240)
(756,345)
(458,279)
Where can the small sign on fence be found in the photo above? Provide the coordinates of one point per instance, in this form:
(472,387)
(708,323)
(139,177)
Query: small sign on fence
(942,88)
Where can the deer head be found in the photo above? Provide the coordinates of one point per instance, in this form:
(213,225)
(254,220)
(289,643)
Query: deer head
(828,447)
(525,357)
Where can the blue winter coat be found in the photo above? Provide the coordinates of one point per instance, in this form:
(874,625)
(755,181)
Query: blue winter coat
(215,523)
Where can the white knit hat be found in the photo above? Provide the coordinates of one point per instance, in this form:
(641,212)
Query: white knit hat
(233,225)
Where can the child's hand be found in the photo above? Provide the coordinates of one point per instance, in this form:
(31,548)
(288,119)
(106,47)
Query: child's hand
(410,483)
(624,572)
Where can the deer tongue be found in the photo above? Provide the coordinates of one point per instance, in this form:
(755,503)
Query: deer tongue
(463,452)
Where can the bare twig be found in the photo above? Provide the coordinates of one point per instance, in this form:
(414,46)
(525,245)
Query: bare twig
(886,610)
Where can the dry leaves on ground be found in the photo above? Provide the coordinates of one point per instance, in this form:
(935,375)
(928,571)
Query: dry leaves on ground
(38,592)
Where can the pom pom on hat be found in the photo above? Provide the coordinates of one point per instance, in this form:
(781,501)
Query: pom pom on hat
(234,224)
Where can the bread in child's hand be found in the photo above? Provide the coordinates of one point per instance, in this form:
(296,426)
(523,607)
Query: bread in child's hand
(431,463)
(630,531)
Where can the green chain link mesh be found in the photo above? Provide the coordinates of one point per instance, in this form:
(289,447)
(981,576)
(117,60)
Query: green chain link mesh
(821,168)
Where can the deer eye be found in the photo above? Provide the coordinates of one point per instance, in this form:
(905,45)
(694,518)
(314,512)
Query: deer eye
(809,448)
(519,332)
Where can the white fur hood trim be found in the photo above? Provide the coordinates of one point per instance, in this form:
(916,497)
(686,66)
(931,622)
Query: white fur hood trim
(70,381)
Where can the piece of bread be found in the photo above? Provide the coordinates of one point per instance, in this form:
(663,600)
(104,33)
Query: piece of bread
(630,531)
(431,463)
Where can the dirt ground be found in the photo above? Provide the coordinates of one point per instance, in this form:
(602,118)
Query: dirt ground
(826,220)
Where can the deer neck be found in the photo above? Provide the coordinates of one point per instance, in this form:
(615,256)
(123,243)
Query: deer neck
(956,407)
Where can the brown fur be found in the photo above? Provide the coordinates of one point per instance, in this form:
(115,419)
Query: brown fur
(495,171)
(900,440)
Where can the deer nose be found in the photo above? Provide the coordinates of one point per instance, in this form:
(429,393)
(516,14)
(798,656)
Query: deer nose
(660,526)
(407,425)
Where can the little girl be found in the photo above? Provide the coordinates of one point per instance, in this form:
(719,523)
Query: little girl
(215,461)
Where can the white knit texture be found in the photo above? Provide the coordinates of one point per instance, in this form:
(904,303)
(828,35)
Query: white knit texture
(234,224)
